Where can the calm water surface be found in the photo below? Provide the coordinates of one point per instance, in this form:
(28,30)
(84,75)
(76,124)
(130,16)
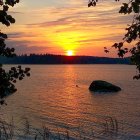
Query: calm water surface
(50,96)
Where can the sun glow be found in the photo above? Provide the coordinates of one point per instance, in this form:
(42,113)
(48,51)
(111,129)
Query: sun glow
(69,53)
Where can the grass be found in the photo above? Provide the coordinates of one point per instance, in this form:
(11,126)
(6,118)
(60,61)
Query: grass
(111,125)
(108,128)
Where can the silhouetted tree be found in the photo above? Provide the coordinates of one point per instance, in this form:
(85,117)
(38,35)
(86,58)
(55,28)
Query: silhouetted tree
(8,78)
(132,34)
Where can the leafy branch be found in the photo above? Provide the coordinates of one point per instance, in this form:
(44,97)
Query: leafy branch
(132,34)
(8,78)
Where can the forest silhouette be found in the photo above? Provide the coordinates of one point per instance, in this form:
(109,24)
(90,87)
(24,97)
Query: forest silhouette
(62,59)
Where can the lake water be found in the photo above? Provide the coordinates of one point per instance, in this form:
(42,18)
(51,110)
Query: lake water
(50,96)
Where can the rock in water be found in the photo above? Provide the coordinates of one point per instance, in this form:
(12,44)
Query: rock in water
(103,86)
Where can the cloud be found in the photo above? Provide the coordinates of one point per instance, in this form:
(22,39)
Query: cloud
(23,47)
(66,25)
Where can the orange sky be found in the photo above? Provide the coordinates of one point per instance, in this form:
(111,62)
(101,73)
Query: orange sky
(56,27)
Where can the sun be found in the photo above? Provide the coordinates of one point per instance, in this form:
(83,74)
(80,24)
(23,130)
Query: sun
(69,53)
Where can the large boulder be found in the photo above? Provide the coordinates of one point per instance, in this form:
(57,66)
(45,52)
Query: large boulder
(103,86)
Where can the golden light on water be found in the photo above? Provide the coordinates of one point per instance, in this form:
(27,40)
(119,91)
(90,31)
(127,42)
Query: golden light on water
(69,53)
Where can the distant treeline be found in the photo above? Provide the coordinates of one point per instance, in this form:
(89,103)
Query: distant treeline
(61,59)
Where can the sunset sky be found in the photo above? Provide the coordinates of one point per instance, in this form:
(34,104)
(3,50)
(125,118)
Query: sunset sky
(52,26)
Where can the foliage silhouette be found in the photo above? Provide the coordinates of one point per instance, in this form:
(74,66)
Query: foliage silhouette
(7,79)
(132,35)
